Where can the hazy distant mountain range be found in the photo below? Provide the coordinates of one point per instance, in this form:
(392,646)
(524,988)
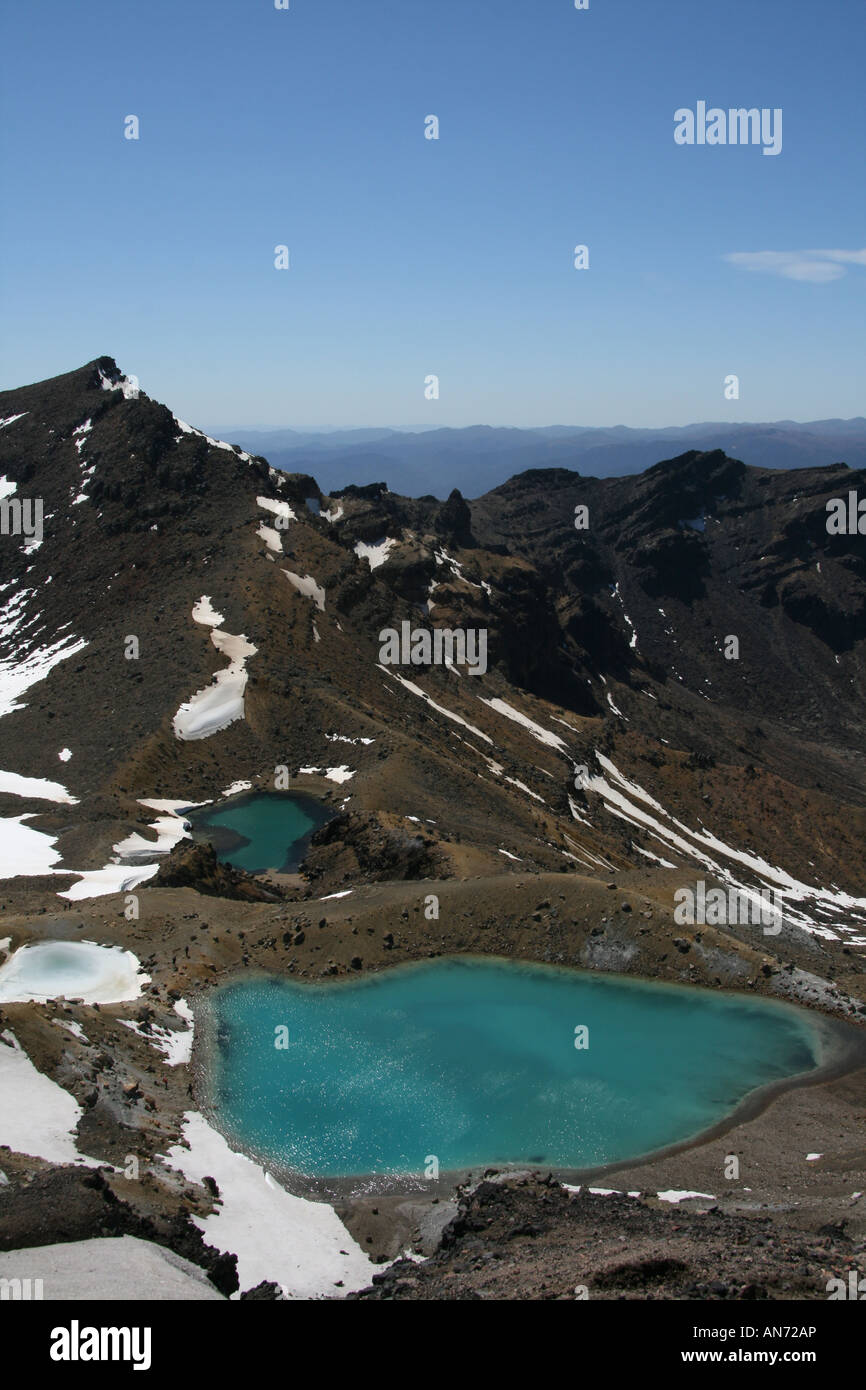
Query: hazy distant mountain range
(480,457)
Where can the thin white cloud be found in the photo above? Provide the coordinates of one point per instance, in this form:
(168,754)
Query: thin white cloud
(818,267)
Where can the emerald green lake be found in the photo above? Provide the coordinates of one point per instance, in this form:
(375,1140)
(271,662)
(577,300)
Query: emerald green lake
(474,1061)
(261,831)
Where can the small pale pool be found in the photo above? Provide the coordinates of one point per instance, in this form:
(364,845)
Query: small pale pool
(264,830)
(71,970)
(473,1062)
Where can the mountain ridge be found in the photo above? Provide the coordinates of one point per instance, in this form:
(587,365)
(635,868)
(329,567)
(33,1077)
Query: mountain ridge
(565,610)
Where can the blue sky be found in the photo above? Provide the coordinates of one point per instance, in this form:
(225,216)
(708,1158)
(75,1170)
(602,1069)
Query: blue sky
(412,257)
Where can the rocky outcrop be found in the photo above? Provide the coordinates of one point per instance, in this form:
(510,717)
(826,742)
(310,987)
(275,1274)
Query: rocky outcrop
(73,1204)
(364,848)
(196,866)
(529,1238)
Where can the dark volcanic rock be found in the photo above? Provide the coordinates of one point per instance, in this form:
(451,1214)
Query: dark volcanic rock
(196,866)
(66,1204)
(263,1293)
(528,1238)
(372,851)
(455,520)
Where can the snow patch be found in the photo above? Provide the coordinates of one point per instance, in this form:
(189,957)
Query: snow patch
(682,1195)
(633,641)
(72,1027)
(440,709)
(333,774)
(543,735)
(308,587)
(214,443)
(377,553)
(38,787)
(82,431)
(300,1245)
(271,504)
(37,1117)
(222,702)
(790,893)
(271,538)
(169,806)
(241,786)
(170,830)
(647,854)
(114,878)
(21,668)
(127,385)
(521,786)
(25,851)
(176,1047)
(204,612)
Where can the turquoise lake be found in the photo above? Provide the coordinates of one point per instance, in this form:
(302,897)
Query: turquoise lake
(261,831)
(474,1061)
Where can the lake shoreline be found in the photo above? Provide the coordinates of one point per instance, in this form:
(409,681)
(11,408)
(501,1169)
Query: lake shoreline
(843,1047)
(550,919)
(236,848)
